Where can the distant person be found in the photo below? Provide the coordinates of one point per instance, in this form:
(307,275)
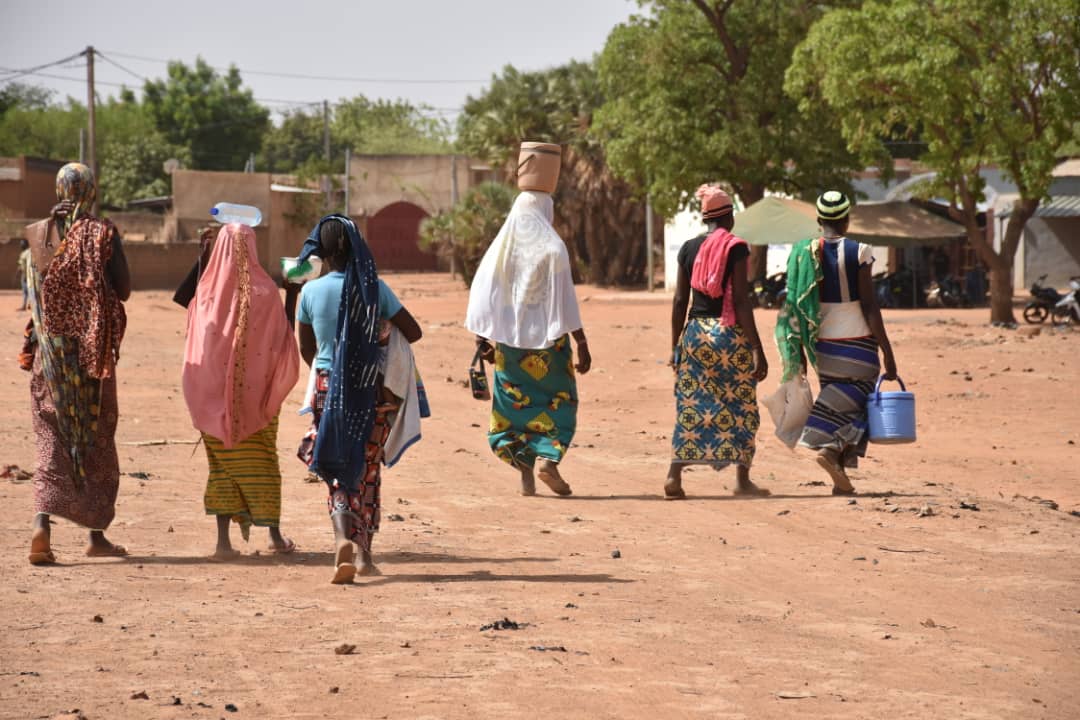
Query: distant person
(831,318)
(716,352)
(354,412)
(78,278)
(24,269)
(523,311)
(240,363)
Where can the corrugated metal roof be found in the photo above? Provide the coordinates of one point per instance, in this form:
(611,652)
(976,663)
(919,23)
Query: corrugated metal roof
(1060,206)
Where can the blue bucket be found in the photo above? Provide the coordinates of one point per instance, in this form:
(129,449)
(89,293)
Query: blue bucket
(891,415)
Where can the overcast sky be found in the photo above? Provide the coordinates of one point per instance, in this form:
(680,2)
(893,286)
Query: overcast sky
(427,51)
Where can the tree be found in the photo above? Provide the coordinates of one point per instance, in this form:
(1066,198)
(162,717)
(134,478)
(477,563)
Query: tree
(465,231)
(212,115)
(134,169)
(986,81)
(27,97)
(694,96)
(596,213)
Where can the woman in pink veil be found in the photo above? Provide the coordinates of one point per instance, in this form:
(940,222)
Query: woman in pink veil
(240,363)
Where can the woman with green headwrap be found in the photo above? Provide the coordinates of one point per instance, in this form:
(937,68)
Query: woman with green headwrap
(78,279)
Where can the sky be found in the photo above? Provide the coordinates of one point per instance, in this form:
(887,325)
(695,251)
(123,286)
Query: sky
(426,51)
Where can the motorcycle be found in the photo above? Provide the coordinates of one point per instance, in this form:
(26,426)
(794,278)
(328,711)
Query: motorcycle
(893,289)
(770,292)
(1044,299)
(1067,309)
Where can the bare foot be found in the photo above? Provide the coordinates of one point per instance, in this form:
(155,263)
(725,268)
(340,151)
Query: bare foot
(749,489)
(344,569)
(673,489)
(101,547)
(548,472)
(829,460)
(367,566)
(225,554)
(40,550)
(528,481)
(279,544)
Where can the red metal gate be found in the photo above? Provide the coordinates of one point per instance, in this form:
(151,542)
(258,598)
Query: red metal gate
(393,234)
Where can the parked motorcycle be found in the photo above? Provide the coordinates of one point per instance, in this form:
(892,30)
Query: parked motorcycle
(1067,309)
(893,290)
(1043,300)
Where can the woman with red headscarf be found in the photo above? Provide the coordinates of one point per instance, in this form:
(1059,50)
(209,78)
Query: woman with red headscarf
(240,362)
(716,352)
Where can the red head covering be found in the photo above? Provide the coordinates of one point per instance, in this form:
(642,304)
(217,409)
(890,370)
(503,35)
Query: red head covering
(714,201)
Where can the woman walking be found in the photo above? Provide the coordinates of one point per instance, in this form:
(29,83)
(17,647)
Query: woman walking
(831,319)
(78,280)
(523,311)
(716,353)
(346,317)
(240,362)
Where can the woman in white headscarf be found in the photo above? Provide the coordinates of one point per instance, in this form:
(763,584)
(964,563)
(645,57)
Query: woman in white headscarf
(523,311)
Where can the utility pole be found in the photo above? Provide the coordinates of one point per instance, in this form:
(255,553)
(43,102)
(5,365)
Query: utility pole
(453,203)
(82,145)
(91,122)
(348,177)
(326,147)
(649,271)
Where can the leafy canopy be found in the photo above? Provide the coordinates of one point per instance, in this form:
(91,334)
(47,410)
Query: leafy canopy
(212,115)
(695,94)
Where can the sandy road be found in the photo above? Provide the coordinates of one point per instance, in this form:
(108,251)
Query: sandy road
(798,605)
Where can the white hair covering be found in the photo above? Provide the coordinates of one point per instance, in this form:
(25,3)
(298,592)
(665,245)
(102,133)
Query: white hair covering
(523,293)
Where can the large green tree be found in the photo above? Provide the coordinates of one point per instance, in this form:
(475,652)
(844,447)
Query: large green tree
(695,94)
(212,115)
(597,213)
(986,81)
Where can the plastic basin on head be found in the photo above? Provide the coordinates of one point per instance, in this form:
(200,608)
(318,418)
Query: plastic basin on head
(891,415)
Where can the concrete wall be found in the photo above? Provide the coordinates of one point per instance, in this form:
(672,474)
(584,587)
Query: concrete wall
(424,180)
(31,190)
(196,191)
(1051,247)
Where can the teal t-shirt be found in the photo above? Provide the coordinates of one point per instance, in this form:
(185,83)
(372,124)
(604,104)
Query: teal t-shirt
(320,301)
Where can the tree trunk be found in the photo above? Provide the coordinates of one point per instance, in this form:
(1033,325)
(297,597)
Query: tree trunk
(758,263)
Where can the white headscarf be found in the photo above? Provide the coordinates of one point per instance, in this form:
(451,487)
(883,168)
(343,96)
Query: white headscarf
(523,293)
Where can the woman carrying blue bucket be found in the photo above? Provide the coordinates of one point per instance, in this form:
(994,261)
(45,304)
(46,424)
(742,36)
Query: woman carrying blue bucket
(831,320)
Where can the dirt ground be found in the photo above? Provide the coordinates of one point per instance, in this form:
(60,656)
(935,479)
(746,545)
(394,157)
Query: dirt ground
(901,603)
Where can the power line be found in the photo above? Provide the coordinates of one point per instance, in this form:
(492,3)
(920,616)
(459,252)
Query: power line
(302,76)
(112,62)
(31,71)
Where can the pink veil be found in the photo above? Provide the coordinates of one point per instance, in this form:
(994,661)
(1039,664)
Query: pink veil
(240,360)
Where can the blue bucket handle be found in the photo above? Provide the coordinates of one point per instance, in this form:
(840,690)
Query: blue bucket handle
(877,388)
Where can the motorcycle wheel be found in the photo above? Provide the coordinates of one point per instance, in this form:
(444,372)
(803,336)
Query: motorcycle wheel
(1060,316)
(1035,314)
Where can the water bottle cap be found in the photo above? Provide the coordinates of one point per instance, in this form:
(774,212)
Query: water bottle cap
(214,211)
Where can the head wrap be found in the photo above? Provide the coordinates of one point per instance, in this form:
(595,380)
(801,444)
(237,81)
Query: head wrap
(833,205)
(240,358)
(523,292)
(714,201)
(349,414)
(75,183)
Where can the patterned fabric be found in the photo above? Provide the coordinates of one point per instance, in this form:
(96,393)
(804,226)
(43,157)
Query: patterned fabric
(75,183)
(534,404)
(340,449)
(715,396)
(240,356)
(84,493)
(362,504)
(848,370)
(245,480)
(306,451)
(799,319)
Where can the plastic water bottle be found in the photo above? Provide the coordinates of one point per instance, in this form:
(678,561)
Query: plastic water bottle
(226,213)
